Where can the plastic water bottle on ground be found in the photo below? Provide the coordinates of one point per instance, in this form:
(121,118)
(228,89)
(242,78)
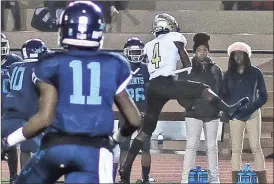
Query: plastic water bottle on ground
(247,175)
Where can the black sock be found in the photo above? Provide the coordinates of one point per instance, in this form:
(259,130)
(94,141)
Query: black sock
(132,153)
(145,172)
(12,161)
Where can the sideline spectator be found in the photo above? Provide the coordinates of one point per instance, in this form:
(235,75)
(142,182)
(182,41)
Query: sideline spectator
(200,114)
(244,79)
(15,11)
(240,5)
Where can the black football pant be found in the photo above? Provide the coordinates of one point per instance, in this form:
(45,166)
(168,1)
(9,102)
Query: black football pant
(162,89)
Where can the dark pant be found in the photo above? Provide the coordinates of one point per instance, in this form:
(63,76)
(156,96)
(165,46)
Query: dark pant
(79,164)
(124,146)
(162,89)
(10,125)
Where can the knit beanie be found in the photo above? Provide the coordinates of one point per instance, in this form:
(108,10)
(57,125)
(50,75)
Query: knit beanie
(239,46)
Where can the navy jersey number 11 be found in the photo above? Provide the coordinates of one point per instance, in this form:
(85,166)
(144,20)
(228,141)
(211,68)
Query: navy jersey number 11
(95,71)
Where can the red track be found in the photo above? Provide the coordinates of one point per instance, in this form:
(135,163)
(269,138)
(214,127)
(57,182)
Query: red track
(168,168)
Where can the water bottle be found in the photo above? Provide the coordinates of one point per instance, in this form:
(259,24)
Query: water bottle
(192,176)
(247,175)
(160,141)
(198,175)
(203,176)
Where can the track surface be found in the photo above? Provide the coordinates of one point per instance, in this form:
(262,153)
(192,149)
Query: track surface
(168,168)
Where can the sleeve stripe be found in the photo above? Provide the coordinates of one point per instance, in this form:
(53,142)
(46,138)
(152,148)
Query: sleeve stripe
(123,85)
(34,78)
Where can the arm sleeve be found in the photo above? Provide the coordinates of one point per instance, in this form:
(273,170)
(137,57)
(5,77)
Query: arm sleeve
(179,37)
(261,91)
(219,77)
(224,92)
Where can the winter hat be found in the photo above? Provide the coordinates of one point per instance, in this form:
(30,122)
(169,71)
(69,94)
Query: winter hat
(239,46)
(200,39)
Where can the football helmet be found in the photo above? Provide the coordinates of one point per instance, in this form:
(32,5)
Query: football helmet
(5,46)
(32,49)
(134,50)
(164,23)
(81,24)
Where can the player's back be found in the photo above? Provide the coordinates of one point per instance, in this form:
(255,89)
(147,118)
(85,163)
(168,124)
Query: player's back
(87,83)
(22,99)
(6,62)
(163,54)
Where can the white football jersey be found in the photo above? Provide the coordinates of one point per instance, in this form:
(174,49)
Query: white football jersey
(162,54)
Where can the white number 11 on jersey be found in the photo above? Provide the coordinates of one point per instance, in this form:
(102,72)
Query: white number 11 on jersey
(95,73)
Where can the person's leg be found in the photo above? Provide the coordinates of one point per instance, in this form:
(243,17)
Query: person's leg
(237,129)
(228,5)
(27,147)
(185,90)
(124,146)
(7,127)
(146,160)
(41,168)
(155,104)
(15,11)
(211,132)
(116,155)
(97,169)
(3,21)
(253,127)
(193,131)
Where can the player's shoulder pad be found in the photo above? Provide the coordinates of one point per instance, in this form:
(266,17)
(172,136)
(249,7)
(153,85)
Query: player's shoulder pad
(117,57)
(143,65)
(16,63)
(176,36)
(14,57)
(50,55)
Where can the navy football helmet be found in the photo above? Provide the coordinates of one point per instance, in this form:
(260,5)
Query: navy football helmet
(81,25)
(32,49)
(5,46)
(134,50)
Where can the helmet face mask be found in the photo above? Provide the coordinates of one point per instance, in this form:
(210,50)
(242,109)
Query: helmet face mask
(134,50)
(5,46)
(134,54)
(32,49)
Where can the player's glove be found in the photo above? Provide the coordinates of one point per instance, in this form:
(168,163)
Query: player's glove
(112,142)
(116,138)
(4,148)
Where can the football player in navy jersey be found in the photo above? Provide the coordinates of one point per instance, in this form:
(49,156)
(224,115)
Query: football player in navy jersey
(77,87)
(21,103)
(134,53)
(7,59)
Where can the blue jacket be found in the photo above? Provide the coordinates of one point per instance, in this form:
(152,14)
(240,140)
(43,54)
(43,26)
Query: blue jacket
(251,84)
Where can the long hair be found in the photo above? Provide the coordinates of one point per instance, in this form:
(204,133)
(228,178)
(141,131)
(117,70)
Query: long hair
(232,65)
